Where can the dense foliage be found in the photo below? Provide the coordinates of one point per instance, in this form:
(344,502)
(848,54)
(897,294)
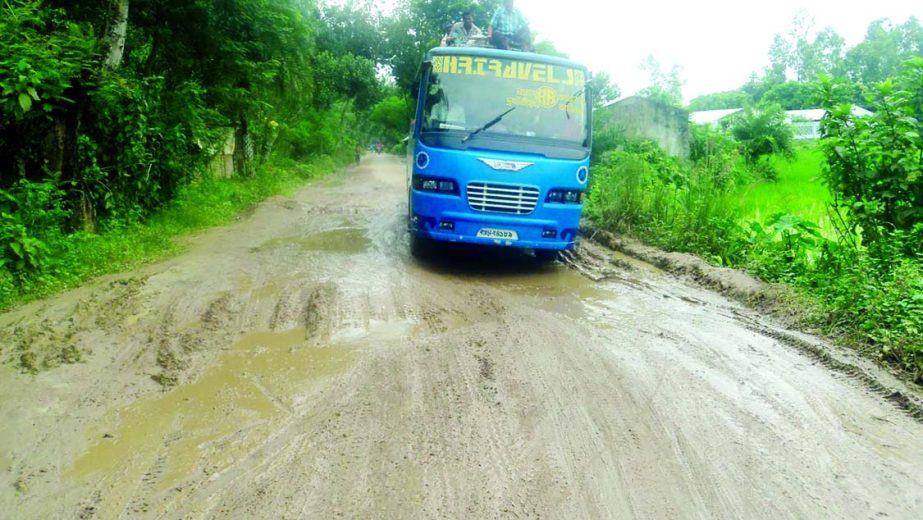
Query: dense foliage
(876,162)
(762,132)
(417,26)
(108,109)
(862,273)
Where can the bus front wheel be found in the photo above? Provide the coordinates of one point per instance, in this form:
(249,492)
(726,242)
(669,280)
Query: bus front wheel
(419,246)
(546,255)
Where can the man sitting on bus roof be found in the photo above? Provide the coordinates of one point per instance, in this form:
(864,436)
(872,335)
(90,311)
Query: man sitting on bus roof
(509,28)
(463,31)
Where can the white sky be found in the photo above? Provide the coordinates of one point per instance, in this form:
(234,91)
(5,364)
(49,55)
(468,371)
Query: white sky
(717,43)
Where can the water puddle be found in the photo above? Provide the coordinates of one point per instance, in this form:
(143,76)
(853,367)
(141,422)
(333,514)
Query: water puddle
(344,240)
(212,422)
(562,291)
(380,331)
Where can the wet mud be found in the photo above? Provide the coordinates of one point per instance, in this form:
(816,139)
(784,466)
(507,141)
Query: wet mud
(300,364)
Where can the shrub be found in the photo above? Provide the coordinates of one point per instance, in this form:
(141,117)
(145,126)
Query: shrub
(761,132)
(875,163)
(30,213)
(642,191)
(716,152)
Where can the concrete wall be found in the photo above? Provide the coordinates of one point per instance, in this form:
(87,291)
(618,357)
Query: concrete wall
(666,125)
(222,164)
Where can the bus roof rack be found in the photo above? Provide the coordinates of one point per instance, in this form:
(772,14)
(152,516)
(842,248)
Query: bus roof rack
(490,52)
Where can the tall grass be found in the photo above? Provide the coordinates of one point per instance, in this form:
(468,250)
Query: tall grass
(686,212)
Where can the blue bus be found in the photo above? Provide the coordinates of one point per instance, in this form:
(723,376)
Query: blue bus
(500,150)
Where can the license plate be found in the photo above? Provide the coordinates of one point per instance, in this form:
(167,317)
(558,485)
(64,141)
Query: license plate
(497,234)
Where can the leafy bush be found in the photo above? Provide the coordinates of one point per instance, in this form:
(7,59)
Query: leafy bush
(30,213)
(42,55)
(783,248)
(876,307)
(318,133)
(762,132)
(392,117)
(876,162)
(141,144)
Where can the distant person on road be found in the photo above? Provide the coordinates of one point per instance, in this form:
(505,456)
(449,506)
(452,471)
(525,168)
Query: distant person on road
(509,28)
(460,32)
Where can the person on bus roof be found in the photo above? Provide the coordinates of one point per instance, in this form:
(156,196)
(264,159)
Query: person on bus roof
(462,31)
(509,28)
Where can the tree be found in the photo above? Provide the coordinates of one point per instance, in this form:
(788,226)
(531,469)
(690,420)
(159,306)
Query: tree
(548,48)
(603,90)
(350,28)
(883,51)
(417,26)
(803,55)
(664,87)
(392,117)
(721,100)
(792,95)
(115,35)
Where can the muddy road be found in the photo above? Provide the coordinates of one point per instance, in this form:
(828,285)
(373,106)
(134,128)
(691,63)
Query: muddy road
(299,364)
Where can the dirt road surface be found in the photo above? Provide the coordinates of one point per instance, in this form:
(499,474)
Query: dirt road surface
(300,364)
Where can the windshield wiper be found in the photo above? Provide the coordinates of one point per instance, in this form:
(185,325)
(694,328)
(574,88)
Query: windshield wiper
(572,98)
(487,125)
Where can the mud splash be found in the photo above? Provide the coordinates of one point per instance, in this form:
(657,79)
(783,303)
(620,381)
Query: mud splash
(206,425)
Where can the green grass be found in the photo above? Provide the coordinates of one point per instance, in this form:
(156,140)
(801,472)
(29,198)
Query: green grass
(73,259)
(799,190)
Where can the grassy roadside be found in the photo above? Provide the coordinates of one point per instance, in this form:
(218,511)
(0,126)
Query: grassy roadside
(75,258)
(871,301)
(798,190)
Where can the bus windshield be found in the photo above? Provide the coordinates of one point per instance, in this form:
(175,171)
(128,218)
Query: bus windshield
(531,99)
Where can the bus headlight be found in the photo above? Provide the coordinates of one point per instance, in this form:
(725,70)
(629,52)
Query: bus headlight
(435,185)
(565,197)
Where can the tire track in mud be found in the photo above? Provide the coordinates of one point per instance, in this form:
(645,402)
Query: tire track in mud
(912,406)
(587,261)
(322,316)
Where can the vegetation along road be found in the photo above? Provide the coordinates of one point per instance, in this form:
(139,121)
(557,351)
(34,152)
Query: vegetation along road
(300,364)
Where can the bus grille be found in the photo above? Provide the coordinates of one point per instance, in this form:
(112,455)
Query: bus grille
(498,198)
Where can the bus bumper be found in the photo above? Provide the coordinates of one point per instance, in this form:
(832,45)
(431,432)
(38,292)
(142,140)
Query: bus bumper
(551,226)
